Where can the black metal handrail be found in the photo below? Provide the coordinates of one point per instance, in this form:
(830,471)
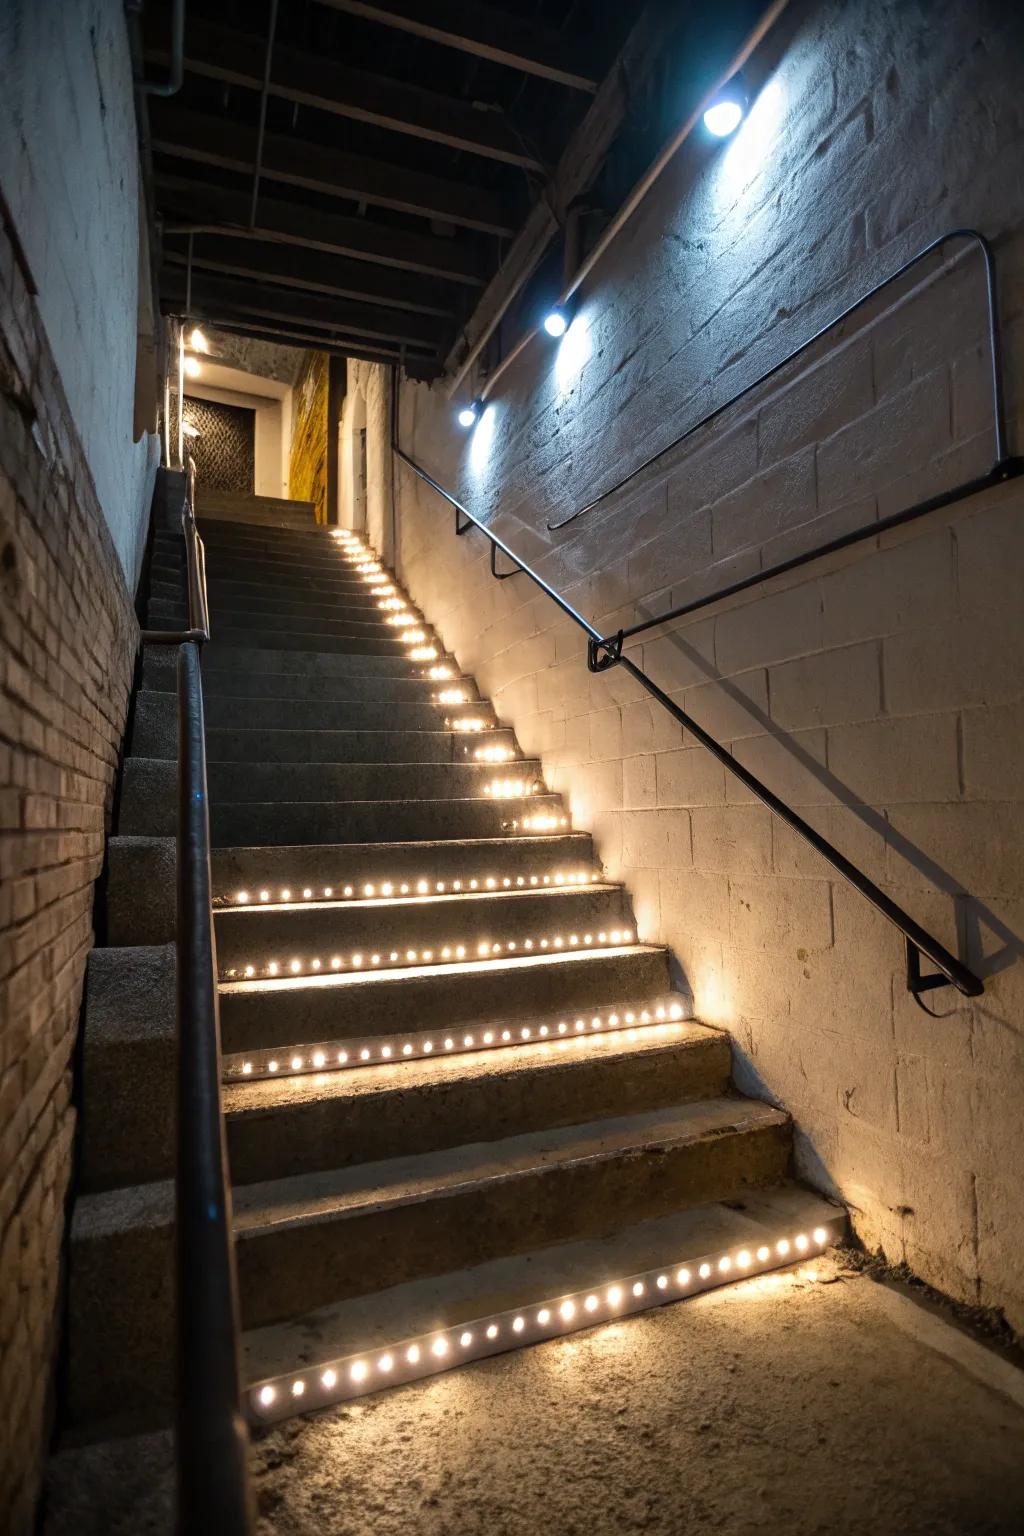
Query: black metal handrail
(603,654)
(211,1438)
(999,428)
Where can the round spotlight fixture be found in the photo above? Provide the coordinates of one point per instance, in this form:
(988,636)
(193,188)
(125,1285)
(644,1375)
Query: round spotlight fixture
(556,322)
(469,414)
(726,111)
(192,367)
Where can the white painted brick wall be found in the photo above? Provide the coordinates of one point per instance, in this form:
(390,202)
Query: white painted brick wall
(881,688)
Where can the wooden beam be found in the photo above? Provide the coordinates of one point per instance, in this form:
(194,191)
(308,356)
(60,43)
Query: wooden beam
(477,29)
(220,53)
(288,266)
(417,367)
(580,162)
(283,304)
(231,146)
(188,204)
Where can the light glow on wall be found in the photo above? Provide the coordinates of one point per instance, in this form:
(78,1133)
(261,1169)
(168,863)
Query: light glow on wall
(481,443)
(573,354)
(752,145)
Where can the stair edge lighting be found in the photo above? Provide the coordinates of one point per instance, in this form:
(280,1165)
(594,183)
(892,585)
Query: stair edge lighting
(426,1044)
(444,1348)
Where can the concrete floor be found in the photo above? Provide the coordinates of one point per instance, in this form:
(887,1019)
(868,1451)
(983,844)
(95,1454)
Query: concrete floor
(793,1404)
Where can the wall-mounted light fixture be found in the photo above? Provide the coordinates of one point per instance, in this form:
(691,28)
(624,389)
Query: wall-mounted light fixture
(469,414)
(192,367)
(727,110)
(197,341)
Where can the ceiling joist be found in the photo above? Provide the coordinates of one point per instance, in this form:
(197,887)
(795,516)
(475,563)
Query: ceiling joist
(239,58)
(231,146)
(480,30)
(320,314)
(194,205)
(314,272)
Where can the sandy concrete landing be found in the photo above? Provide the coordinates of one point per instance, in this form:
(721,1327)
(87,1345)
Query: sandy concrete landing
(790,1405)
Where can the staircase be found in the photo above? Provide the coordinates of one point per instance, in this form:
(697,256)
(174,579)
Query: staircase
(465,1108)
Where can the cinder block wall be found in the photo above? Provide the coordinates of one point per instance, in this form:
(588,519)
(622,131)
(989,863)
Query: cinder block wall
(879,691)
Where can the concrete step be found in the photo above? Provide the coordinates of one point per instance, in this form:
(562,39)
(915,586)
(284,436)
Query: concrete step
(240,689)
(357,746)
(140,890)
(127,1103)
(154,734)
(343,871)
(256,935)
(364,623)
(257,597)
(662,1254)
(228,638)
(284,669)
(442,1001)
(273,822)
(316,1240)
(240,564)
(227,508)
(313,1239)
(378,706)
(283,1127)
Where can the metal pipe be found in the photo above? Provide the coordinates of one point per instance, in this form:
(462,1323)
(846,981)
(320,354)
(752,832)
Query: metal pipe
(181,394)
(999,427)
(626,211)
(604,653)
(172,85)
(261,131)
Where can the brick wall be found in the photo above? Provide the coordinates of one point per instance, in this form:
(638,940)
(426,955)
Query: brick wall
(307,472)
(878,690)
(67,641)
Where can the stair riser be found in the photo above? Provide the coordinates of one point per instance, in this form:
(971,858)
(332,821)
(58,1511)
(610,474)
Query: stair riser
(267,579)
(276,869)
(247,565)
(287,640)
(157,737)
(267,933)
(383,821)
(285,1272)
(386,707)
(347,782)
(141,890)
(286,669)
(281,1015)
(297,598)
(310,1138)
(228,620)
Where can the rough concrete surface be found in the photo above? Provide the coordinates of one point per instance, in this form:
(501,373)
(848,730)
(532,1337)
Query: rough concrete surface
(791,1404)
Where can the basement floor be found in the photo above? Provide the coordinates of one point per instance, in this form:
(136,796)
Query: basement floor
(811,1401)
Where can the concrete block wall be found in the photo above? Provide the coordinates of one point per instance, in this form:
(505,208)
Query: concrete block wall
(69,173)
(879,690)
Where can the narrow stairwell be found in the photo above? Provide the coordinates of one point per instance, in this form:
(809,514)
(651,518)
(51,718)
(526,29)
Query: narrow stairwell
(465,1108)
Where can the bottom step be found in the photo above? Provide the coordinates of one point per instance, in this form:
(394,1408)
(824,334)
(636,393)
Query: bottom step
(418,1329)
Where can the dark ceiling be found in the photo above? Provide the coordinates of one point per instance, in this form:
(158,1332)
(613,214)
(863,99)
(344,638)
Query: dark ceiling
(403,145)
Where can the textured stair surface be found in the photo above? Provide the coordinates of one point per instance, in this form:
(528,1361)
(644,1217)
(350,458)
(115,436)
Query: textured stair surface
(455,1076)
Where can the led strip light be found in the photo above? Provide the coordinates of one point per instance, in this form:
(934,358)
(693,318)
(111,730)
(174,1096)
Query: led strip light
(332,1056)
(442,1349)
(447,954)
(372,889)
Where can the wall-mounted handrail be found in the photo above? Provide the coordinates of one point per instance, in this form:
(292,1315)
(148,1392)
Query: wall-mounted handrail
(603,654)
(211,1438)
(974,236)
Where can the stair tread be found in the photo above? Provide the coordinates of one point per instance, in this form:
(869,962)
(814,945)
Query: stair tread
(304,1198)
(398,974)
(377,1320)
(267,1095)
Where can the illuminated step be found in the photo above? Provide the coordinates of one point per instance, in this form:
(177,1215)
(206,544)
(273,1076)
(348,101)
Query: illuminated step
(446,999)
(257,598)
(358,746)
(389,929)
(394,706)
(289,666)
(402,1334)
(313,1239)
(346,782)
(332,821)
(260,875)
(285,1125)
(338,625)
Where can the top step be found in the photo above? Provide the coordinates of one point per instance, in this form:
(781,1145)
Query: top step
(267,511)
